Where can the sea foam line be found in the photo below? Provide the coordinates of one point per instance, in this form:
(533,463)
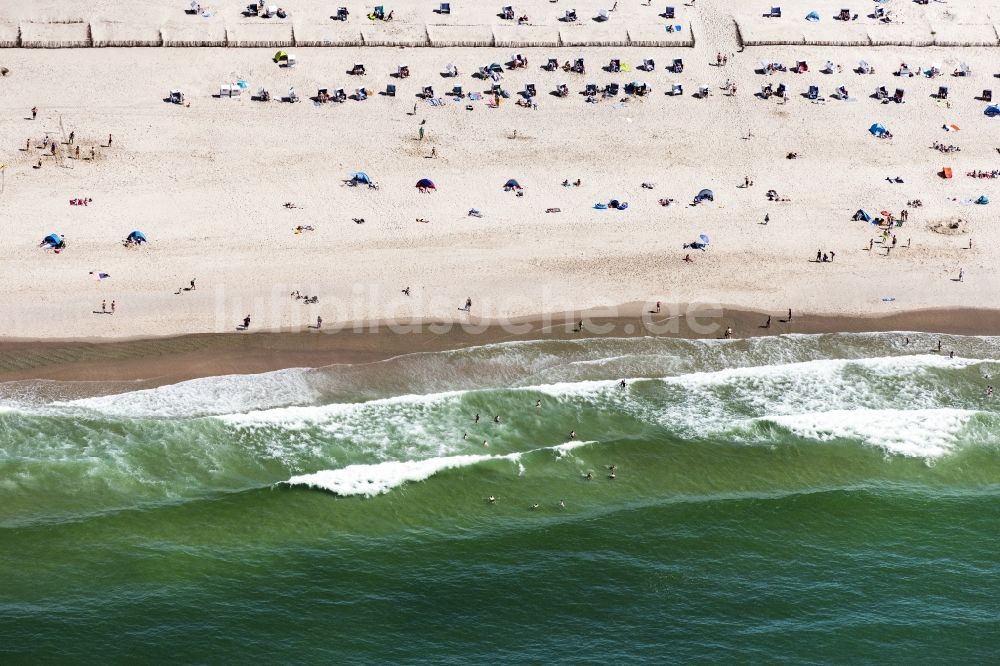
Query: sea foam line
(380,478)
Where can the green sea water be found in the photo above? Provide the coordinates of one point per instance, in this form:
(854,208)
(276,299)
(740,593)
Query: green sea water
(792,500)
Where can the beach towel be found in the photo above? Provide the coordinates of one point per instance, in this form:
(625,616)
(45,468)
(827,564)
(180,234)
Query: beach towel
(601,206)
(475,96)
(625,67)
(436,101)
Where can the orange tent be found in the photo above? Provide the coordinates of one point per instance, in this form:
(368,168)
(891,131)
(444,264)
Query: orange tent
(946,172)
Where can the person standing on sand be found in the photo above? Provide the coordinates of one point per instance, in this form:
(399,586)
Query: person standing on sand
(961,274)
(767,324)
(421,133)
(246,323)
(468,304)
(192,284)
(112,307)
(657,307)
(319,322)
(78,152)
(767,218)
(34,112)
(104,306)
(109,141)
(93,153)
(789,315)
(72,135)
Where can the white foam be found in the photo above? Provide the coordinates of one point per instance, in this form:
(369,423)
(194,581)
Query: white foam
(380,478)
(222,394)
(922,433)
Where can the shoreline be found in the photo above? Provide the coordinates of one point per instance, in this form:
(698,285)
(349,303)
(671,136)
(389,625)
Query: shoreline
(164,360)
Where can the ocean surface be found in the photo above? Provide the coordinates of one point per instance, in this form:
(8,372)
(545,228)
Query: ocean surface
(782,500)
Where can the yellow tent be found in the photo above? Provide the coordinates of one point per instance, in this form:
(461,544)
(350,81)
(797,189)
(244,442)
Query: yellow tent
(280,55)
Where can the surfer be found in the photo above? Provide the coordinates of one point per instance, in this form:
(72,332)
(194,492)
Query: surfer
(622,384)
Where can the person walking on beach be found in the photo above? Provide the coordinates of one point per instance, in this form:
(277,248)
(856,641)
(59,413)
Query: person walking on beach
(421,131)
(72,135)
(406,291)
(319,322)
(192,284)
(767,218)
(789,315)
(468,304)
(832,255)
(93,153)
(34,112)
(112,307)
(109,141)
(104,306)
(657,307)
(961,274)
(767,324)
(246,323)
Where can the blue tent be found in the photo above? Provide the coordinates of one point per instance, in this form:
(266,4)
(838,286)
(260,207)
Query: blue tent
(862,216)
(877,129)
(512,185)
(53,239)
(812,16)
(993,111)
(704,239)
(137,237)
(983,200)
(426,183)
(360,177)
(705,195)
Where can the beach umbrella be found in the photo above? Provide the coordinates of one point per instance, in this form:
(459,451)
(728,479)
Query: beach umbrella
(512,184)
(703,238)
(878,129)
(426,183)
(812,16)
(361,177)
(55,239)
(705,194)
(138,237)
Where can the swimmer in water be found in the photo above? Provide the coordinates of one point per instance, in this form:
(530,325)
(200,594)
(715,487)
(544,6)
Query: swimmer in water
(612,475)
(589,476)
(465,435)
(572,434)
(989,391)
(534,507)
(622,384)
(562,504)
(496,419)
(538,403)
(485,443)
(477,418)
(491,499)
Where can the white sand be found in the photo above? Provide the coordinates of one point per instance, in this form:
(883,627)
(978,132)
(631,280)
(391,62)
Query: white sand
(206,184)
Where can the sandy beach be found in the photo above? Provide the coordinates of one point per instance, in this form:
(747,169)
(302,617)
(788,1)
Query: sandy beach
(207,182)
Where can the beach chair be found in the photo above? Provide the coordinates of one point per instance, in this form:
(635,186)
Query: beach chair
(590,90)
(602,15)
(766,91)
(402,71)
(292,96)
(570,16)
(987,96)
(562,90)
(251,10)
(390,90)
(962,70)
(530,90)
(775,12)
(360,94)
(578,66)
(780,91)
(648,65)
(339,95)
(829,67)
(615,65)
(942,92)
(176,97)
(341,14)
(676,89)
(898,96)
(703,92)
(552,65)
(678,66)
(668,13)
(881,93)
(357,70)
(445,8)
(224,91)
(379,13)
(904,70)
(427,92)
(841,93)
(801,67)
(844,15)
(507,13)
(322,95)
(612,90)
(864,68)
(456,91)
(813,92)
